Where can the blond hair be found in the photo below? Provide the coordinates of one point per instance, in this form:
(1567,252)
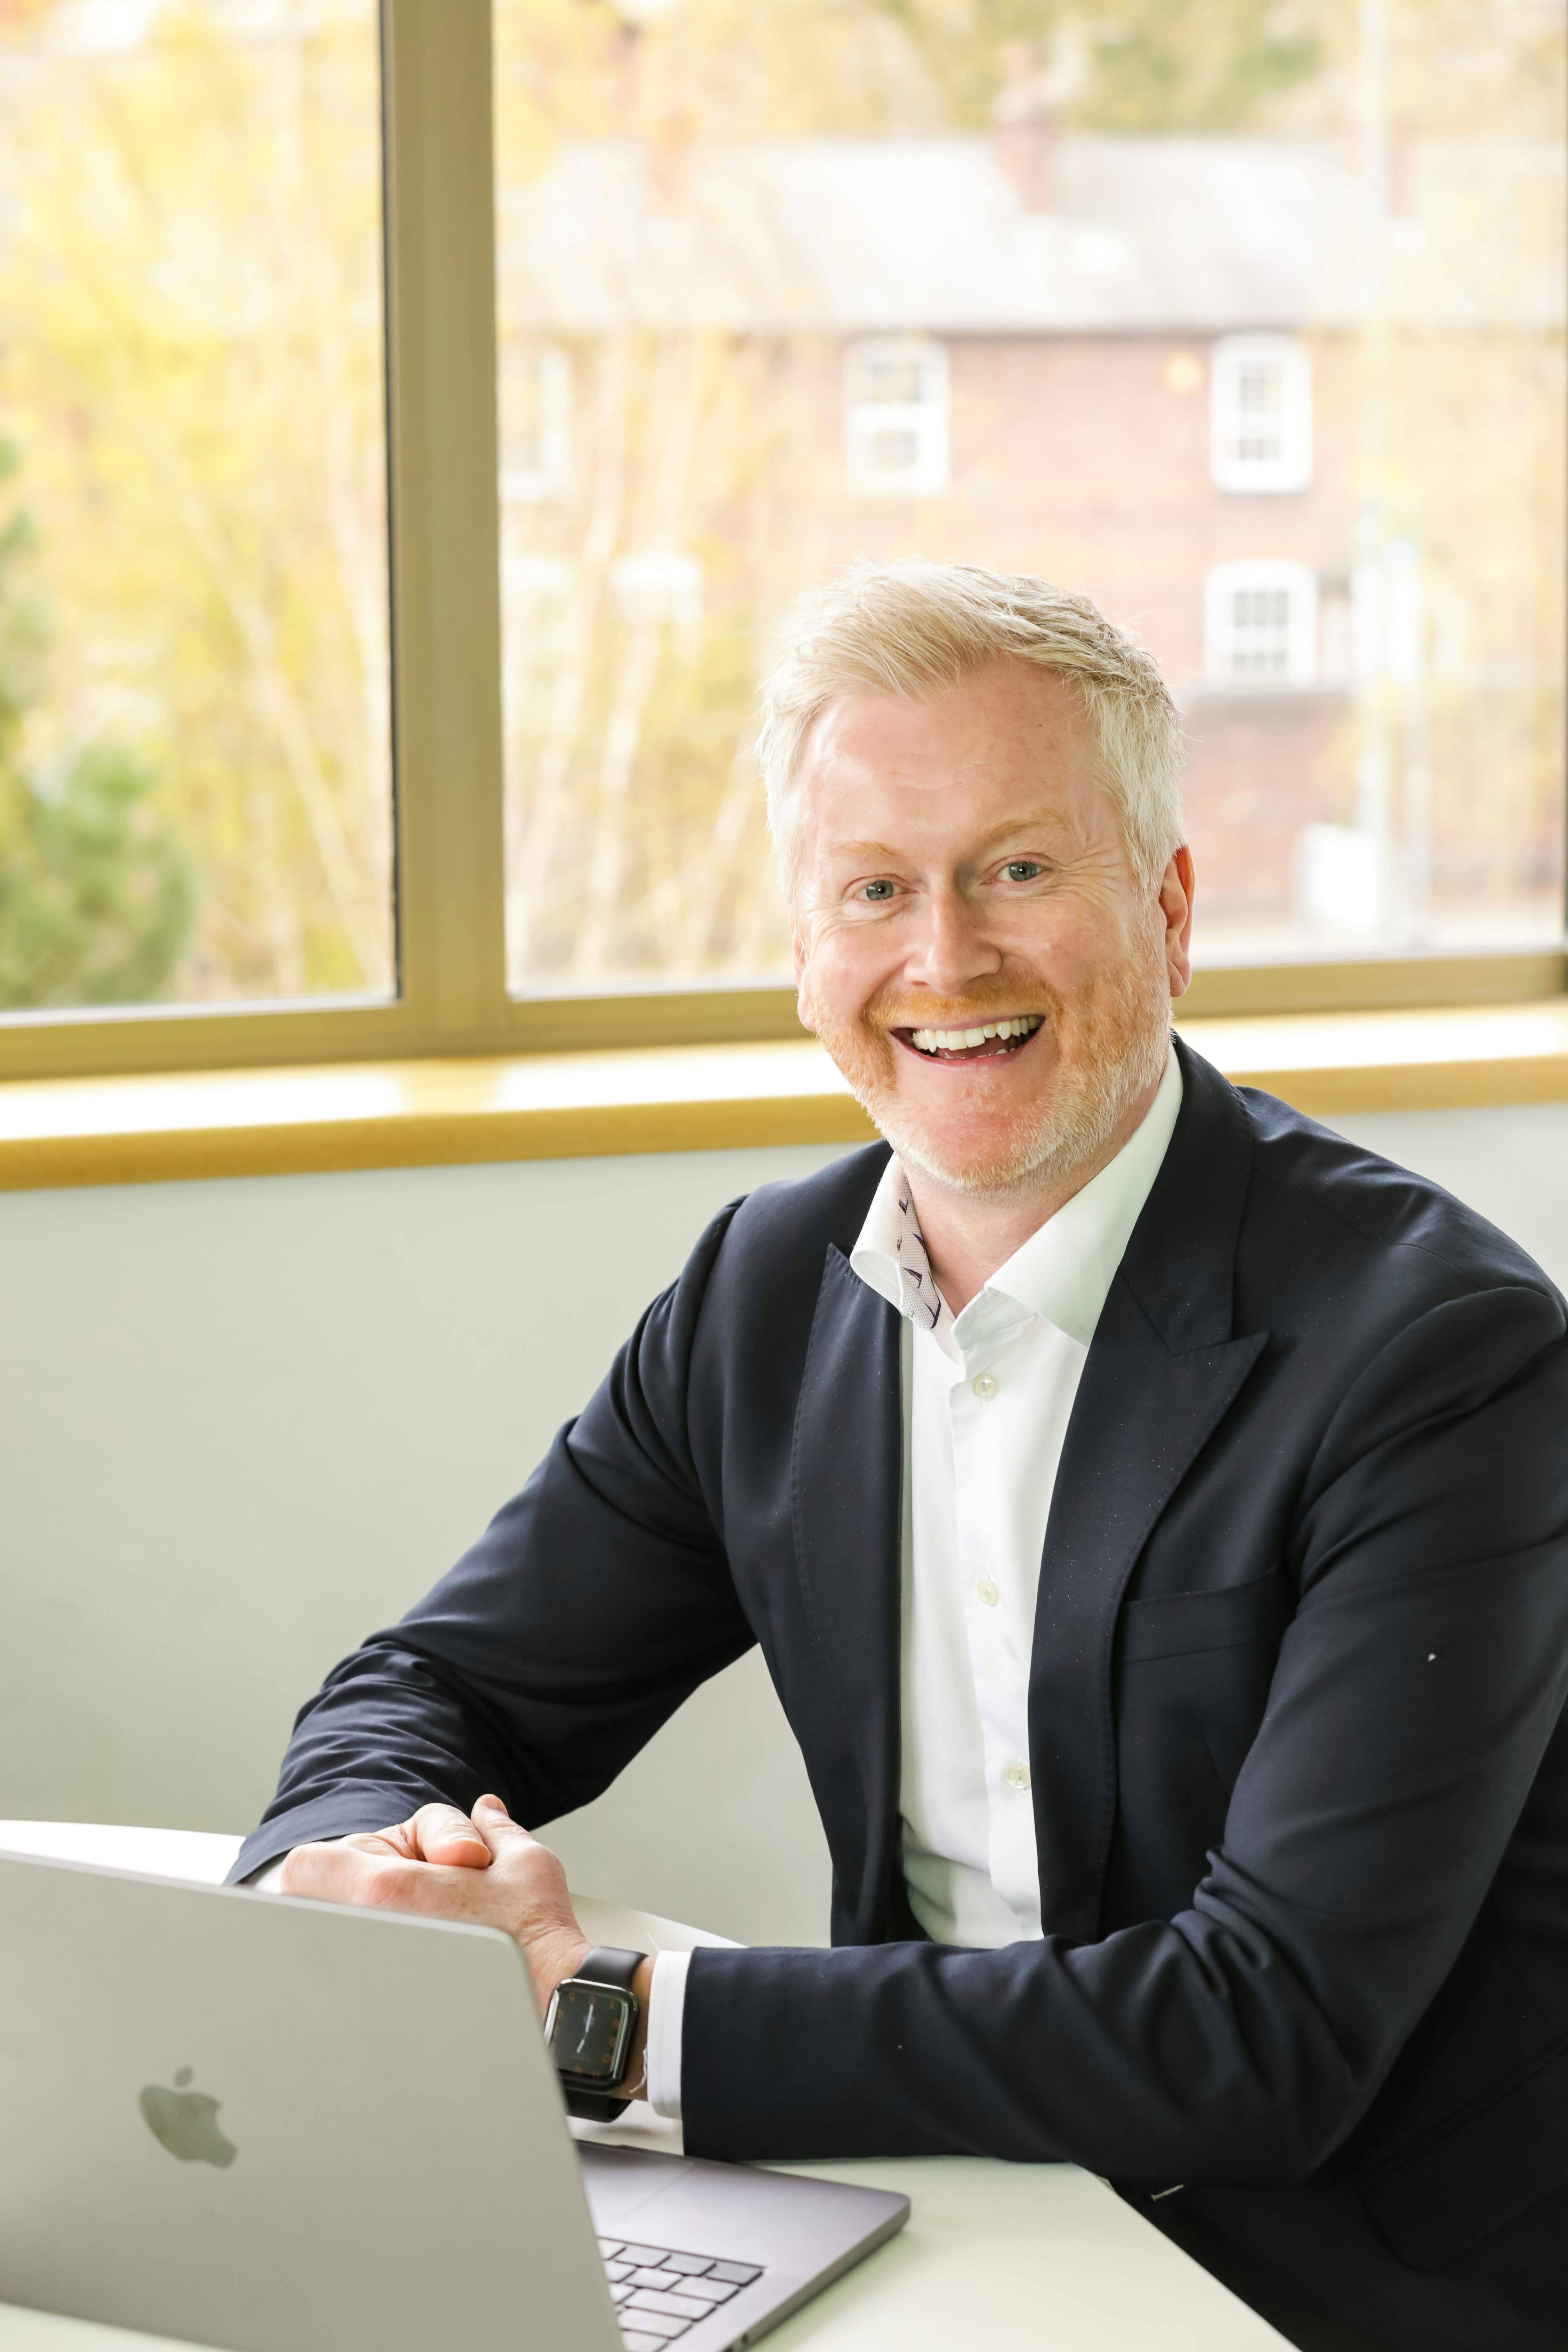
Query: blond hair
(915,630)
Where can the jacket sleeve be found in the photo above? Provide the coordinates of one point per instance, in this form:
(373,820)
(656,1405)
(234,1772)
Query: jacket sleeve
(594,1604)
(1414,1696)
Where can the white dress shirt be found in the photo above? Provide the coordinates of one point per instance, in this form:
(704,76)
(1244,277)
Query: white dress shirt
(987,1396)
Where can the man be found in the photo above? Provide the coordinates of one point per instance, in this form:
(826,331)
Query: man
(1153,1512)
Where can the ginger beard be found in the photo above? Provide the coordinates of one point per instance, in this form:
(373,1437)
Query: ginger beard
(1096,1057)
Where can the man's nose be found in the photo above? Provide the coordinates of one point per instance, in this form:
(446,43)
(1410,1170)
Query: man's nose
(952,951)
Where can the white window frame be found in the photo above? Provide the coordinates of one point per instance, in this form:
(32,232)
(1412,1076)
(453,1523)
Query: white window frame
(1234,362)
(1269,576)
(549,476)
(925,419)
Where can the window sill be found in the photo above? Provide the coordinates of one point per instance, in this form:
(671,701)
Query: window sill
(417,1114)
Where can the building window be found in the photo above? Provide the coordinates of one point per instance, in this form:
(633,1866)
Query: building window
(535,426)
(1260,627)
(658,586)
(1260,415)
(895,418)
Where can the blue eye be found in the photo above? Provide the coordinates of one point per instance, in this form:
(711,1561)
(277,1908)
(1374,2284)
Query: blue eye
(1021,869)
(879,891)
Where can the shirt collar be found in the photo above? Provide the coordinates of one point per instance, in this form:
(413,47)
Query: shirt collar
(1063,1272)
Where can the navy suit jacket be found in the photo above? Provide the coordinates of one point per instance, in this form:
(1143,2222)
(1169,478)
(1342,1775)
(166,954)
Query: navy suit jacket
(1300,1652)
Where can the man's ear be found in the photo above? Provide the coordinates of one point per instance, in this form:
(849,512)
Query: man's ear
(1177,885)
(802,982)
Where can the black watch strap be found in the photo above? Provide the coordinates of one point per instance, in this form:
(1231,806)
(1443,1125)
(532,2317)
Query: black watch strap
(608,1965)
(593,2107)
(605,1965)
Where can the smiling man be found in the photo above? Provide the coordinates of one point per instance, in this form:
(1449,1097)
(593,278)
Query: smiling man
(1153,1512)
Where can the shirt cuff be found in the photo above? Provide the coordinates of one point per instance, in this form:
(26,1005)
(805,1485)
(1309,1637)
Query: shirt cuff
(266,1881)
(665,2013)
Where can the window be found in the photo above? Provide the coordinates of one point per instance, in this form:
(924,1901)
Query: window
(895,419)
(1261,413)
(1260,627)
(196,777)
(535,402)
(1256,337)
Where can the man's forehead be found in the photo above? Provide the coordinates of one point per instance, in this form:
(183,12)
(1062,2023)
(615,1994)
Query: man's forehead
(868,788)
(1008,706)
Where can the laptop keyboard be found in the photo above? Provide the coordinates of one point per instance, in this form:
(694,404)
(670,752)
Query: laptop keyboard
(659,2293)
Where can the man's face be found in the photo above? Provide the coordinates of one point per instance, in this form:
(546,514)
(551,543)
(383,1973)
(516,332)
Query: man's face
(961,867)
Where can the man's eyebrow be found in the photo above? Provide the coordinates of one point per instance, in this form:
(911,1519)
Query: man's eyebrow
(879,852)
(1032,821)
(875,851)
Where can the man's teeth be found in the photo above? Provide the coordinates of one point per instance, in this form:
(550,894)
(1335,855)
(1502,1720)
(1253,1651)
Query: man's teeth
(955,1041)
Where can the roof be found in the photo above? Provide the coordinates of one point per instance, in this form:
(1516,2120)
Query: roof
(1148,234)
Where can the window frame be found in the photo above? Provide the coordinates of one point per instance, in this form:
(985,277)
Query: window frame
(1290,473)
(445,537)
(927,418)
(1269,576)
(551,479)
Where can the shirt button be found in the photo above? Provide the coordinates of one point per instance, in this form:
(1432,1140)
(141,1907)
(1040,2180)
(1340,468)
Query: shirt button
(1017,1776)
(985,1387)
(987,1592)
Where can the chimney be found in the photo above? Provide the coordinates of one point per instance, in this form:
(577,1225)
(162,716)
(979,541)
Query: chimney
(1023,128)
(1025,114)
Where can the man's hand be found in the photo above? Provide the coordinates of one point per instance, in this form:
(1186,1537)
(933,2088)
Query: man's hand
(443,1866)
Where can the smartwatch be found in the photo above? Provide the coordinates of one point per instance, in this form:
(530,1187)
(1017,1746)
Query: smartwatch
(590,2027)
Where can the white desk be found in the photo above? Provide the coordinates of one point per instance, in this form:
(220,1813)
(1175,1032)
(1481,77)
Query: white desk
(1006,2257)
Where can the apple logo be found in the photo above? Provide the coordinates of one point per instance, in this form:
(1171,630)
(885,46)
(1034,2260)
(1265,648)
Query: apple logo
(186,2122)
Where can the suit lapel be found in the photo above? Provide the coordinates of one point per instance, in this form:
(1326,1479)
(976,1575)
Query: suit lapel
(847,1488)
(1163,1369)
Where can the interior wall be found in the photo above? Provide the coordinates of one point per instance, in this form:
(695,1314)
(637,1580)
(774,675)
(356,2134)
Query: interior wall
(1512,1165)
(242,1424)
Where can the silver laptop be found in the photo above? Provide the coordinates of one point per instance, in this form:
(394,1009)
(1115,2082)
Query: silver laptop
(255,2121)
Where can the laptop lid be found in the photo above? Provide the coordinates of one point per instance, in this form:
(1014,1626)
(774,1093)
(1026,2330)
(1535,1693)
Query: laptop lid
(265,2123)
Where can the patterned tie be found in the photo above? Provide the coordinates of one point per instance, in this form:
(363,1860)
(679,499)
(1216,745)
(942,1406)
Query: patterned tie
(922,1301)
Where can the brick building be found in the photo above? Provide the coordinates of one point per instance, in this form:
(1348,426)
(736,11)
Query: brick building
(1303,430)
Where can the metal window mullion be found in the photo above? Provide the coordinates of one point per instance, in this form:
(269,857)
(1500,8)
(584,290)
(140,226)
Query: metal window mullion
(441,379)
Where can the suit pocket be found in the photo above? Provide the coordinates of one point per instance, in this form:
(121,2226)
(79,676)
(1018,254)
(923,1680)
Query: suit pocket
(1462,2186)
(1192,1676)
(1179,1623)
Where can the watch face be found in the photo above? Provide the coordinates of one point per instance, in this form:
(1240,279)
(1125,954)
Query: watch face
(593,2026)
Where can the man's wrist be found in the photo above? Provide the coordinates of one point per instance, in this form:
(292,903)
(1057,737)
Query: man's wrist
(553,1962)
(551,1959)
